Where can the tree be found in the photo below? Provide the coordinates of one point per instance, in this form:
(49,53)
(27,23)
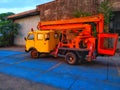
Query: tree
(8,29)
(106,9)
(3,16)
(81,13)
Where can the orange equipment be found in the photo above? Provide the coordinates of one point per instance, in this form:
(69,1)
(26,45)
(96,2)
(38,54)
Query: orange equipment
(83,45)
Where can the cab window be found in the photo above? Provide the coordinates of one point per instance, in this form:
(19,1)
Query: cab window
(31,37)
(56,35)
(47,36)
(40,36)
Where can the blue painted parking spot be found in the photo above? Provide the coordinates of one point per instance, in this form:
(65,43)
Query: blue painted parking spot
(19,72)
(10,60)
(3,65)
(113,75)
(58,80)
(84,84)
(34,64)
(53,72)
(49,78)
(82,72)
(9,53)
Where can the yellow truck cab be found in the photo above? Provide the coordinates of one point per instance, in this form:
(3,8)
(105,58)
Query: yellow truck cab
(41,42)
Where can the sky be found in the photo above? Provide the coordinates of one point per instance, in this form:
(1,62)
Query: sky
(17,6)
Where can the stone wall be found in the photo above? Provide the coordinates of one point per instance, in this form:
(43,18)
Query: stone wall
(115,5)
(64,9)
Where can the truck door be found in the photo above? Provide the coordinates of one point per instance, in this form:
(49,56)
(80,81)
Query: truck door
(42,42)
(30,41)
(107,44)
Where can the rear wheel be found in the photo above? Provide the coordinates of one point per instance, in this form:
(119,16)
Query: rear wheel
(71,58)
(34,53)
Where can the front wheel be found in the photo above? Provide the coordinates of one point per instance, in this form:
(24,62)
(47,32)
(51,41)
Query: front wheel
(71,58)
(34,53)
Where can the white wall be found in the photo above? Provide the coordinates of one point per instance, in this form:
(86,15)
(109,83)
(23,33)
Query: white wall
(25,26)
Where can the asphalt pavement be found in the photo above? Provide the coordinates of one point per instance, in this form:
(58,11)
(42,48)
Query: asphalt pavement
(18,71)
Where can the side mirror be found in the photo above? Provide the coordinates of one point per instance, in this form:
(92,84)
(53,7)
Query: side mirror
(25,38)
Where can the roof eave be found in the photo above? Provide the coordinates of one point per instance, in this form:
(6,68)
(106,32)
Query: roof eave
(24,14)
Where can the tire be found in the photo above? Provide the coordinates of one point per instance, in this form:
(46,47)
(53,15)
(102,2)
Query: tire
(71,58)
(34,53)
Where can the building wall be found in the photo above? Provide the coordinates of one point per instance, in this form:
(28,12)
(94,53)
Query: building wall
(115,5)
(64,9)
(116,18)
(25,26)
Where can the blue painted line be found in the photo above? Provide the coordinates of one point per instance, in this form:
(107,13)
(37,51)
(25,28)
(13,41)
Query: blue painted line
(34,64)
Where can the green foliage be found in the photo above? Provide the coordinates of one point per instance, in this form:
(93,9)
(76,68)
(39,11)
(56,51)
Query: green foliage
(80,13)
(106,9)
(3,16)
(94,33)
(8,29)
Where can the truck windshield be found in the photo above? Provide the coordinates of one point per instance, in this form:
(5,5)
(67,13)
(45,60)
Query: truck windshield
(31,37)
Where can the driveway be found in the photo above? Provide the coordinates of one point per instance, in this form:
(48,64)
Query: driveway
(54,73)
